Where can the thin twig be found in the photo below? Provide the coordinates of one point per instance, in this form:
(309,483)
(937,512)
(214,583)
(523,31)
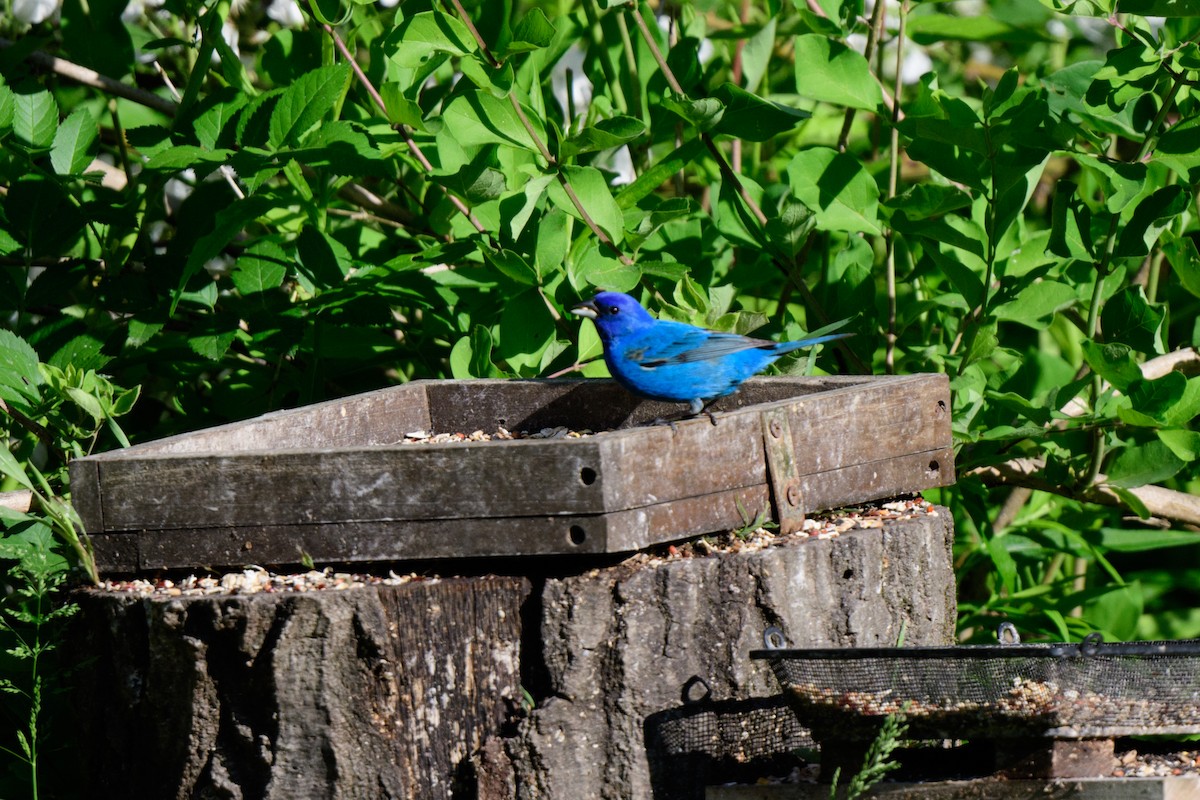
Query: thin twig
(402,129)
(89,77)
(483,48)
(893,185)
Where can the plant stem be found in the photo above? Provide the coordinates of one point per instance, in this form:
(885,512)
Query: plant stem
(893,183)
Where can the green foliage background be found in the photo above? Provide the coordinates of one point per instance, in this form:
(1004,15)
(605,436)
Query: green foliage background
(380,195)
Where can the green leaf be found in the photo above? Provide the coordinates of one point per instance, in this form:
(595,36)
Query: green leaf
(660,172)
(837,188)
(186,156)
(513,265)
(1143,464)
(230,221)
(87,402)
(1121,540)
(400,109)
(42,216)
(757,54)
(704,113)
(1179,148)
(35,117)
(12,468)
(261,268)
(752,118)
(1130,318)
(1149,219)
(471,356)
(321,259)
(526,330)
(533,32)
(830,72)
(591,188)
(1158,397)
(553,241)
(478,117)
(212,346)
(426,35)
(605,134)
(305,103)
(19,373)
(8,102)
(602,271)
(1036,304)
(71,153)
(212,122)
(1184,258)
(932,28)
(1183,443)
(1113,362)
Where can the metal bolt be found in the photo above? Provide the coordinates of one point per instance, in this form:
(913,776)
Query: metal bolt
(775,428)
(793,494)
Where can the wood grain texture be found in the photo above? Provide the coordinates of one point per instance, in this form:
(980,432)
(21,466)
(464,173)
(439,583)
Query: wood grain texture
(381,417)
(376,542)
(340,489)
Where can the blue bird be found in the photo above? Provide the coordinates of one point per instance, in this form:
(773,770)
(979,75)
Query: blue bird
(674,361)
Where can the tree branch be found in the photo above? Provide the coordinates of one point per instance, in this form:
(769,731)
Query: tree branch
(89,77)
(1159,501)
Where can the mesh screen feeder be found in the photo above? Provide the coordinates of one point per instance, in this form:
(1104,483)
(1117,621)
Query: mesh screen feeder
(1048,710)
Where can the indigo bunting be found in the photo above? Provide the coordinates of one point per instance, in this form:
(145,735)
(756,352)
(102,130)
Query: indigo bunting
(676,362)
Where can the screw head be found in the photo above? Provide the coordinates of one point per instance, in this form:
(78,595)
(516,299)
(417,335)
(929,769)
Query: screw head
(775,428)
(793,494)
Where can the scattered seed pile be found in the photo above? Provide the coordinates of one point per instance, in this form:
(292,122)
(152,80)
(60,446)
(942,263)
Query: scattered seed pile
(823,526)
(254,580)
(501,434)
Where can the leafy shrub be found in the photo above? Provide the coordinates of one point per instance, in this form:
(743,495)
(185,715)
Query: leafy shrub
(280,208)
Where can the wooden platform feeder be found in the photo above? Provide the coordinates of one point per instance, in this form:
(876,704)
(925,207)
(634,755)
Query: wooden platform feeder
(334,481)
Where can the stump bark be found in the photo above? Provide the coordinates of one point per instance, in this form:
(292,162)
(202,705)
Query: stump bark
(639,673)
(372,692)
(648,690)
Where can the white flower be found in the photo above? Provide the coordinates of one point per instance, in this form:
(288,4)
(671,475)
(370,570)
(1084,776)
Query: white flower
(31,12)
(286,13)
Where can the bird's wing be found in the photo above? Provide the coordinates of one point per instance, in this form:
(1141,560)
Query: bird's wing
(677,343)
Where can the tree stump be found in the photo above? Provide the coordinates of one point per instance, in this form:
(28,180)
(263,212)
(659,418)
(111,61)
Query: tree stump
(371,692)
(639,671)
(648,690)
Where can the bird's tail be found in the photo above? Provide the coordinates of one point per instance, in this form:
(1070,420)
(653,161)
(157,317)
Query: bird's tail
(787,347)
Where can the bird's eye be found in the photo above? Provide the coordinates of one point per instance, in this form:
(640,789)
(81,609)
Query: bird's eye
(613,309)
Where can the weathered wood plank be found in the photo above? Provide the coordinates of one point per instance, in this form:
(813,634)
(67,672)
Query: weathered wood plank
(396,540)
(380,417)
(514,478)
(647,466)
(118,552)
(865,423)
(86,493)
(885,478)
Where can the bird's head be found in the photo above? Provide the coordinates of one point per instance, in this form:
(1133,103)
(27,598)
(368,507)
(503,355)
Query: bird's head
(614,314)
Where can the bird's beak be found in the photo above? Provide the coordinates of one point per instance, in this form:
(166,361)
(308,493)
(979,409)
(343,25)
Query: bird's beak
(587,309)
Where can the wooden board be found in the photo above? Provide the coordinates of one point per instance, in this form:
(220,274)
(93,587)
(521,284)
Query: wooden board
(332,481)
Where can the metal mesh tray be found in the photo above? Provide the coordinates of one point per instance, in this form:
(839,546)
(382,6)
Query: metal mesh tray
(1091,689)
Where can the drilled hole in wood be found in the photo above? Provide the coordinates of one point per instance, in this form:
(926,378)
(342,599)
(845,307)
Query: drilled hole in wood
(934,466)
(587,476)
(577,535)
(941,407)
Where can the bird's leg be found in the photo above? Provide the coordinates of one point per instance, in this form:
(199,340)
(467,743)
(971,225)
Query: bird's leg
(704,410)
